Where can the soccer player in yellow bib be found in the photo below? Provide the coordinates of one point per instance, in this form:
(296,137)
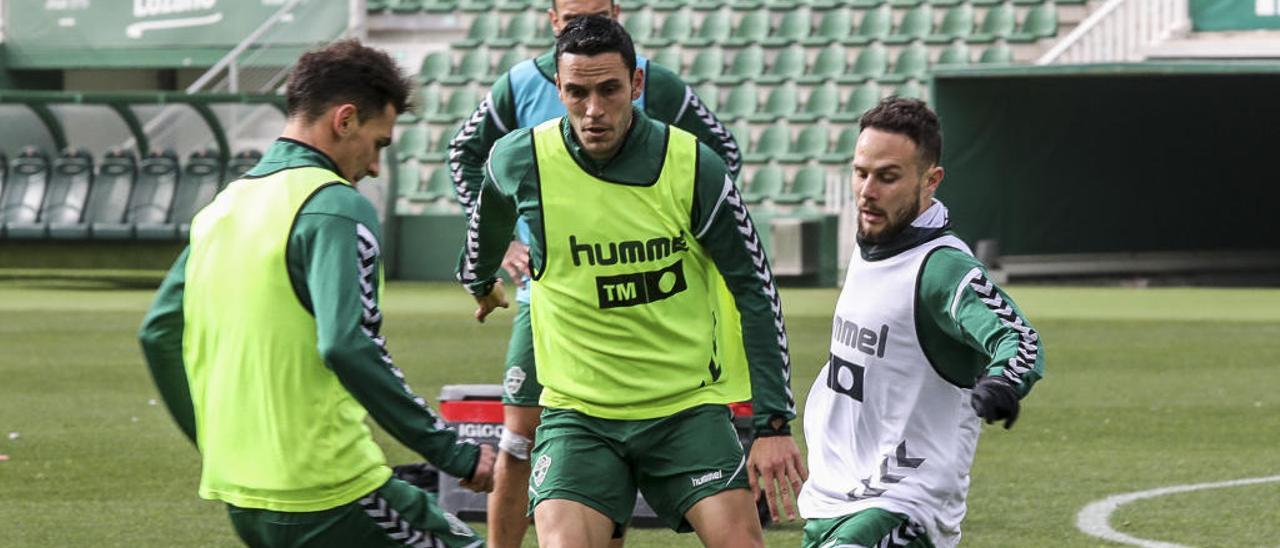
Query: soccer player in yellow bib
(634,224)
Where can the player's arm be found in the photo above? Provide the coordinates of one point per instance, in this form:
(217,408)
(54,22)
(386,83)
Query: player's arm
(670,100)
(335,265)
(469,148)
(493,220)
(725,229)
(960,298)
(161,338)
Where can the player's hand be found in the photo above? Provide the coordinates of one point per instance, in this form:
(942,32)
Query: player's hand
(481,480)
(516,262)
(775,467)
(486,304)
(994,399)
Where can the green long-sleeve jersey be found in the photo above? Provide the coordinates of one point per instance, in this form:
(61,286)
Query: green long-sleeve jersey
(719,221)
(324,262)
(667,99)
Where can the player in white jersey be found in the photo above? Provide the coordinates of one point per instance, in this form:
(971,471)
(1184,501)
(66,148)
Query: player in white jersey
(923,346)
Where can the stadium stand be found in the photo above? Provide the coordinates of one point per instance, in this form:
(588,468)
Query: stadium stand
(64,197)
(150,201)
(25,188)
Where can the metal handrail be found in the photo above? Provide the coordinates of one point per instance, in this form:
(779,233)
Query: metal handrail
(1118,31)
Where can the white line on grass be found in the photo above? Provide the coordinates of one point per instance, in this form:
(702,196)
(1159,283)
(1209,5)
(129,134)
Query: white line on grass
(1094,519)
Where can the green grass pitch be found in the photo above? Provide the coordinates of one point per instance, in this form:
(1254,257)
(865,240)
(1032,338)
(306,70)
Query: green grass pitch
(1145,388)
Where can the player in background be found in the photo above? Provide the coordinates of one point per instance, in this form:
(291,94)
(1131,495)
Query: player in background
(265,337)
(525,97)
(923,345)
(631,222)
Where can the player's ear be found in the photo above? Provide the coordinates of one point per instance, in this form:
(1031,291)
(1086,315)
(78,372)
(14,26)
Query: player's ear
(637,83)
(344,120)
(933,177)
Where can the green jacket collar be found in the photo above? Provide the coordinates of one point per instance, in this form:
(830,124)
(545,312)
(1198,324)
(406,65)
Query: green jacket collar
(286,153)
(637,162)
(546,64)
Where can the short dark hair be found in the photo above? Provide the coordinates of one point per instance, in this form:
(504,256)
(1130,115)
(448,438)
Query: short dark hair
(554,7)
(346,72)
(909,117)
(593,35)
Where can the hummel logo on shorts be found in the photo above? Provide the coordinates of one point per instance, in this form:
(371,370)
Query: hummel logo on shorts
(707,477)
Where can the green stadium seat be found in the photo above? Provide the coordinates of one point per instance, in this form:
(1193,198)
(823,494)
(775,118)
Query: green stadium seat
(915,25)
(404,6)
(475,6)
(809,185)
(753,28)
(715,29)
(796,25)
(1040,22)
(667,5)
(946,3)
(741,131)
(905,3)
(426,102)
(782,103)
(810,143)
(440,145)
(460,105)
(408,180)
(375,6)
(747,65)
(434,67)
(741,102)
(439,6)
(239,164)
(108,195)
(864,4)
(774,142)
(872,61)
(671,58)
(639,25)
(1028,2)
(911,89)
(834,27)
(25,187)
(998,23)
(743,5)
(514,6)
(823,101)
(709,94)
(544,38)
(439,185)
(521,28)
(980,3)
(997,54)
(787,65)
(196,188)
(861,99)
(412,143)
(484,29)
(64,197)
(708,65)
(151,198)
(957,23)
(707,5)
(912,62)
(785,5)
(841,151)
(955,55)
(505,61)
(473,67)
(677,28)
(875,25)
(830,65)
(764,184)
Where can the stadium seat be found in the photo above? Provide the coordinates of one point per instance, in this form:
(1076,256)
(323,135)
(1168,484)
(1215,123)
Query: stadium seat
(239,164)
(64,196)
(782,103)
(708,65)
(435,66)
(404,6)
(957,23)
(810,143)
(707,5)
(955,55)
(796,25)
(875,25)
(860,100)
(788,64)
(25,188)
(753,28)
(514,6)
(765,183)
(108,195)
(461,103)
(473,67)
(476,6)
(741,131)
(834,26)
(676,29)
(440,152)
(667,5)
(714,29)
(1040,22)
(408,177)
(747,65)
(997,54)
(504,63)
(911,89)
(4,170)
(774,142)
(412,143)
(945,3)
(484,29)
(439,6)
(809,185)
(998,23)
(823,101)
(744,5)
(375,6)
(709,94)
(196,188)
(912,62)
(439,186)
(639,25)
(521,28)
(904,3)
(830,65)
(915,25)
(671,58)
(741,102)
(980,3)
(841,151)
(150,200)
(872,62)
(543,38)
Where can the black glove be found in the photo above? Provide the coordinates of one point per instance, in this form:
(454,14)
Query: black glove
(995,398)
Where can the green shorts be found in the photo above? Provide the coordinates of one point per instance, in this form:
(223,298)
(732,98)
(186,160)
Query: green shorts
(520,384)
(674,461)
(865,528)
(396,514)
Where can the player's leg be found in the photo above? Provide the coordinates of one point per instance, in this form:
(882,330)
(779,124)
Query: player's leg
(581,489)
(692,471)
(509,502)
(872,527)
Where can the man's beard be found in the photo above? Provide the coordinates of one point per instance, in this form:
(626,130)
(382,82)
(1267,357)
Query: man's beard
(894,226)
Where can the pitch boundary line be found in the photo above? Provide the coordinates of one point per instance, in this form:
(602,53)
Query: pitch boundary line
(1094,519)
